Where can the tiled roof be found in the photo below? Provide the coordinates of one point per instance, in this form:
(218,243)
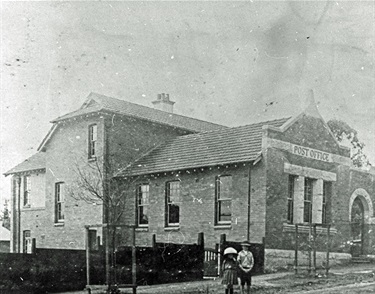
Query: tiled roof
(35,162)
(239,144)
(104,103)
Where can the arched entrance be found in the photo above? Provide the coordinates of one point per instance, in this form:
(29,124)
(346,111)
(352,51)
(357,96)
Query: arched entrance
(360,213)
(357,227)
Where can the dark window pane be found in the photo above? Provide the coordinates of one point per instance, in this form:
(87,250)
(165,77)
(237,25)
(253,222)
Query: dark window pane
(225,210)
(174,214)
(143,218)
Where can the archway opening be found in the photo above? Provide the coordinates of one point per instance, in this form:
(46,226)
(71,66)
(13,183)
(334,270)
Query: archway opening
(357,226)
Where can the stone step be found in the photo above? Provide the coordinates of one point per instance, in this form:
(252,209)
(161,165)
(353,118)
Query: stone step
(360,260)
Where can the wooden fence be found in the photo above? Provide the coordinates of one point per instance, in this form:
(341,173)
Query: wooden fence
(213,256)
(162,263)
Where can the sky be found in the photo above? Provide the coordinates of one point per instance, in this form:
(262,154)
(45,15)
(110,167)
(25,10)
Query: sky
(231,62)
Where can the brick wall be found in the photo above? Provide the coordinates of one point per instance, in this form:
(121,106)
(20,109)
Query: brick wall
(310,132)
(128,139)
(197,207)
(119,139)
(66,149)
(306,130)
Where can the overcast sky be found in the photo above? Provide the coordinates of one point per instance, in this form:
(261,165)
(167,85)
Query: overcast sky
(232,63)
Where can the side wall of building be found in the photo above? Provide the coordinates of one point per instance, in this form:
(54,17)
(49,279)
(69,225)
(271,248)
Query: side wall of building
(66,154)
(129,138)
(333,168)
(197,208)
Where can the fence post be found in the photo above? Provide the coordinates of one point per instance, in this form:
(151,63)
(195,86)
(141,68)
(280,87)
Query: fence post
(296,252)
(153,242)
(87,255)
(309,248)
(107,260)
(314,249)
(33,245)
(97,243)
(221,247)
(134,263)
(201,239)
(328,247)
(201,250)
(155,267)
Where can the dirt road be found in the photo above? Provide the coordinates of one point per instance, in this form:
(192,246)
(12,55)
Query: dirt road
(346,289)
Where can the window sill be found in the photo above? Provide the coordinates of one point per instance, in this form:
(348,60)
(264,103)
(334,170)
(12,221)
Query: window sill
(29,208)
(141,229)
(223,227)
(92,159)
(304,229)
(59,224)
(177,228)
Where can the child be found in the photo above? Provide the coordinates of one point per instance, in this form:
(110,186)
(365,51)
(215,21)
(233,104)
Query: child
(245,263)
(229,270)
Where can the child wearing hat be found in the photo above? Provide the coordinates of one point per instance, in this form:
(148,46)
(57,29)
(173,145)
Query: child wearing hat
(245,263)
(229,270)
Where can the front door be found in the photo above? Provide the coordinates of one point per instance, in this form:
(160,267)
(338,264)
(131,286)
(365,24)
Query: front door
(357,227)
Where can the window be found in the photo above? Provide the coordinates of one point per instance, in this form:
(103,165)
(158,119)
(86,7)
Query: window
(26,190)
(327,186)
(290,198)
(173,203)
(93,136)
(307,201)
(143,193)
(223,203)
(59,202)
(27,244)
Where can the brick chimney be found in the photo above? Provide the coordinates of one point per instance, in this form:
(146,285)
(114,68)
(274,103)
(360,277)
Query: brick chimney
(163,103)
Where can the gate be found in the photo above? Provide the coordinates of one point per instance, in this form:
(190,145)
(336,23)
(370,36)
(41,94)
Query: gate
(211,262)
(257,249)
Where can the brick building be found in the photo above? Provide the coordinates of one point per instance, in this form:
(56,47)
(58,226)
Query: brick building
(256,181)
(181,176)
(93,140)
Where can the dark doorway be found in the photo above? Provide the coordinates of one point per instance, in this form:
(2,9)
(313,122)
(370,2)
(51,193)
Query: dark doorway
(357,227)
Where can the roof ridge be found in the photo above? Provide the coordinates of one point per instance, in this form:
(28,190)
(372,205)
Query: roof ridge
(61,117)
(156,110)
(233,128)
(210,145)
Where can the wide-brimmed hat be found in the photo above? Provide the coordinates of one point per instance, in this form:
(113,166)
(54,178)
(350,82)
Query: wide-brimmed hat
(230,250)
(245,243)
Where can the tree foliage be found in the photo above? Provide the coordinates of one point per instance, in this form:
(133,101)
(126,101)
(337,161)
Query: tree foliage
(345,133)
(5,216)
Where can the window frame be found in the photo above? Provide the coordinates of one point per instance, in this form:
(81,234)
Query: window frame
(92,142)
(168,203)
(327,192)
(308,195)
(59,203)
(290,198)
(142,205)
(26,190)
(219,200)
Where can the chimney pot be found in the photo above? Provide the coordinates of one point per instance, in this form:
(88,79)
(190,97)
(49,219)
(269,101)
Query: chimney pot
(163,103)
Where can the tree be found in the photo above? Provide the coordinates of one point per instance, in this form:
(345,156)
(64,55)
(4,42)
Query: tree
(94,184)
(345,133)
(5,216)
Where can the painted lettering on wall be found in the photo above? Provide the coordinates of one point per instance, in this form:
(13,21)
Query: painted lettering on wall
(312,153)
